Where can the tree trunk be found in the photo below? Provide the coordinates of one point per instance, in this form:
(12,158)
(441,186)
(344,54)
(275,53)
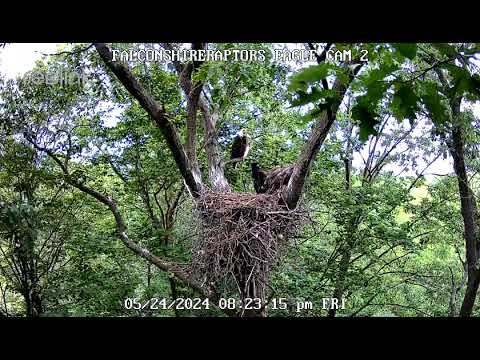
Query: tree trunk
(36,304)
(315,140)
(26,258)
(192,93)
(33,300)
(467,201)
(468,209)
(346,252)
(173,290)
(342,274)
(453,303)
(470,295)
(216,169)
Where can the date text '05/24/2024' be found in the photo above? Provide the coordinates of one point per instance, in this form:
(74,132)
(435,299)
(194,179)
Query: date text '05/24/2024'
(230,303)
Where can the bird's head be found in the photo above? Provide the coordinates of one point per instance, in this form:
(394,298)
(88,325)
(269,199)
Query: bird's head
(241,133)
(254,165)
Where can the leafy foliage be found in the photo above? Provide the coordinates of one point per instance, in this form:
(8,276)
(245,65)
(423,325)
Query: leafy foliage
(385,235)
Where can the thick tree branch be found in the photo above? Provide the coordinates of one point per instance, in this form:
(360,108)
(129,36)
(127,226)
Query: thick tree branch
(158,114)
(122,230)
(468,209)
(315,140)
(193,95)
(467,200)
(117,171)
(216,169)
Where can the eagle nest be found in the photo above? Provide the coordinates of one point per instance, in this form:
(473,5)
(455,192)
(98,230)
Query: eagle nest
(241,238)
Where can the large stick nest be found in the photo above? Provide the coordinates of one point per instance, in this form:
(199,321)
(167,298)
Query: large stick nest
(241,238)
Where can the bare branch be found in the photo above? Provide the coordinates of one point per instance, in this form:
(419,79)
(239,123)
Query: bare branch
(117,171)
(78,51)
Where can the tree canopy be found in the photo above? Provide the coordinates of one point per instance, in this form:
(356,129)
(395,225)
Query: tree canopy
(106,164)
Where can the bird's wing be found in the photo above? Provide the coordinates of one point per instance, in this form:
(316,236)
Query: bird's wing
(277,178)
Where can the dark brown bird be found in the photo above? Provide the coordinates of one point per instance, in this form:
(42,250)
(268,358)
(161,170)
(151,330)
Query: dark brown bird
(258,176)
(277,179)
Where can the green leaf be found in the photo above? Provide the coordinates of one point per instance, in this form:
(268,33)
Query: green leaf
(316,94)
(405,102)
(366,117)
(306,98)
(343,76)
(307,76)
(365,109)
(408,50)
(472,51)
(475,84)
(446,49)
(432,102)
(376,90)
(375,82)
(463,81)
(312,115)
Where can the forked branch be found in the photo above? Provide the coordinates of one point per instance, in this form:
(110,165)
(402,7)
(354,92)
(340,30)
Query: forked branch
(158,113)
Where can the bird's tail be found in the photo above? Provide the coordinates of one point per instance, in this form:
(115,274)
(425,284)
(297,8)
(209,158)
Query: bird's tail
(234,165)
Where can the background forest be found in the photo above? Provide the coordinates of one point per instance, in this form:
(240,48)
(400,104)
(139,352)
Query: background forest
(102,167)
